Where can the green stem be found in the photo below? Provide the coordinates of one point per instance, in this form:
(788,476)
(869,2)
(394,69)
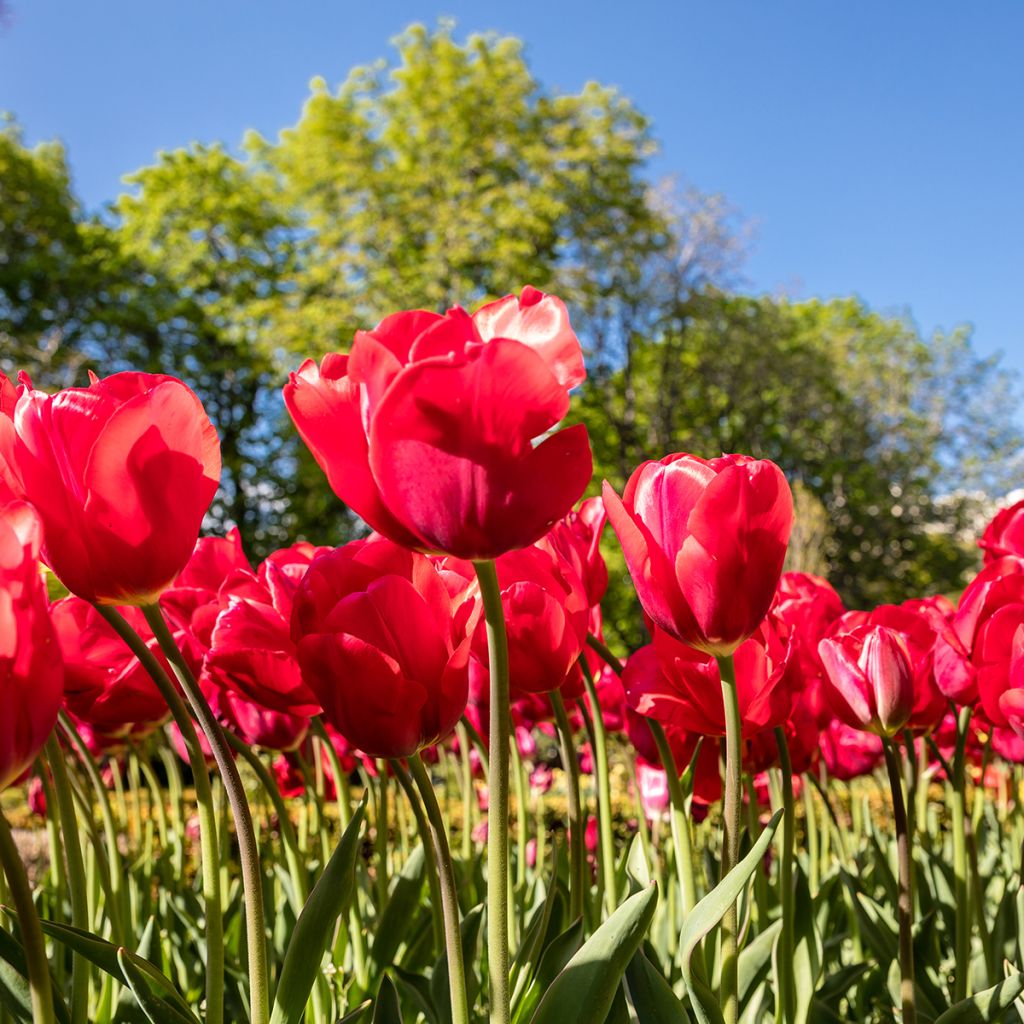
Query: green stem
(497,788)
(248,851)
(961,891)
(680,819)
(426,831)
(32,940)
(466,766)
(729,985)
(577,865)
(787,983)
(107,813)
(77,882)
(604,791)
(905,903)
(208,837)
(449,893)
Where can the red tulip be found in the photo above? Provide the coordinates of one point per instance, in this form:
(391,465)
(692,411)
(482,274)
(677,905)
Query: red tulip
(382,646)
(251,651)
(972,652)
(427,427)
(121,472)
(915,623)
(105,684)
(1005,534)
(546,617)
(870,679)
(681,687)
(704,542)
(849,753)
(31,673)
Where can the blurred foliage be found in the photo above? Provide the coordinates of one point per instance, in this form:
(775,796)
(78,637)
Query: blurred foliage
(450,176)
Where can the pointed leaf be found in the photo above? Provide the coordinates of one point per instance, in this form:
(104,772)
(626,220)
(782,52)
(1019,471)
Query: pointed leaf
(651,995)
(985,1005)
(157,1010)
(327,902)
(709,911)
(585,989)
(387,1009)
(395,919)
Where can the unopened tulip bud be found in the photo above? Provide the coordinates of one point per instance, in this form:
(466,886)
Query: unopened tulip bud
(870,683)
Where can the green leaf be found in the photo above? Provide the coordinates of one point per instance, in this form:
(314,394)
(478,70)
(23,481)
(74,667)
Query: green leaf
(357,1014)
(985,1005)
(755,961)
(327,902)
(387,1009)
(553,960)
(110,959)
(400,912)
(709,911)
(157,1010)
(808,954)
(585,989)
(651,995)
(15,992)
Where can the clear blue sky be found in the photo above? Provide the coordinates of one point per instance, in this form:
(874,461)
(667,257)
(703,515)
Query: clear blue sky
(879,146)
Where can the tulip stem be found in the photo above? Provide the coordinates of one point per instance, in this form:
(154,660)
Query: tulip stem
(32,941)
(208,833)
(680,821)
(248,851)
(449,893)
(77,882)
(423,826)
(961,893)
(729,990)
(787,985)
(604,791)
(576,825)
(905,903)
(497,790)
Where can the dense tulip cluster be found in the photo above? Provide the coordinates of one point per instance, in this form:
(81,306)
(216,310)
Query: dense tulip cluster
(474,612)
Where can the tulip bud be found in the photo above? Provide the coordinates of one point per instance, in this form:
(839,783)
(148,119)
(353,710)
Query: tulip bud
(870,683)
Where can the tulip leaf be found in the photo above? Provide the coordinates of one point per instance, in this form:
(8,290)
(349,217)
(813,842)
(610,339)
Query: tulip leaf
(15,991)
(327,902)
(985,1005)
(401,908)
(357,1014)
(584,990)
(387,1009)
(651,995)
(111,959)
(553,960)
(709,911)
(157,1010)
(808,953)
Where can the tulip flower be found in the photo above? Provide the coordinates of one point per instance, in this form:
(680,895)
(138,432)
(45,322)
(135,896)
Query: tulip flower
(849,753)
(381,646)
(546,614)
(915,623)
(427,428)
(972,650)
(31,671)
(870,679)
(704,541)
(106,686)
(681,687)
(1004,535)
(121,473)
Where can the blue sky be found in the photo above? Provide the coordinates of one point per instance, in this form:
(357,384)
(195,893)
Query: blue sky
(879,147)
